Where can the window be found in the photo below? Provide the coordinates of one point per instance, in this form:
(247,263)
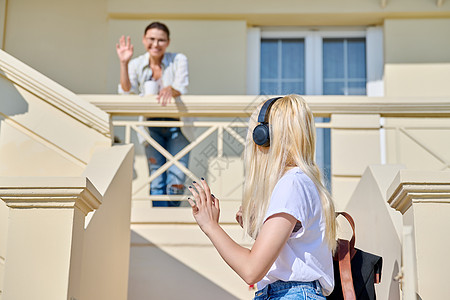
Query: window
(313,63)
(344,66)
(282,66)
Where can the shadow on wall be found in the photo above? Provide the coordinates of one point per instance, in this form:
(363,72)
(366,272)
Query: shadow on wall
(394,292)
(11,101)
(154,274)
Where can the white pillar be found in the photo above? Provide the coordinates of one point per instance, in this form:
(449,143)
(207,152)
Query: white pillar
(423,197)
(45,235)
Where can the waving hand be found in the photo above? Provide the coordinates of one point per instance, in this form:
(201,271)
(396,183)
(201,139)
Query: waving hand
(124,49)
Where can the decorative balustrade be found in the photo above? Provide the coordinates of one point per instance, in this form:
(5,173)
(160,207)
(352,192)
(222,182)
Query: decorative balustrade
(383,117)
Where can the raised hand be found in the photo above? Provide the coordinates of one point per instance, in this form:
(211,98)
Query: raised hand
(205,208)
(124,49)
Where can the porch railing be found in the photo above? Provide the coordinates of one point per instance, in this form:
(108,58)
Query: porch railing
(354,114)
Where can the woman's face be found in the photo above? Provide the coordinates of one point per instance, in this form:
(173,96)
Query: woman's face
(155,42)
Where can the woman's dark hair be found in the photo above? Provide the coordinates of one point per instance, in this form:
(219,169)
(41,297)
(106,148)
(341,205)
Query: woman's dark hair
(159,26)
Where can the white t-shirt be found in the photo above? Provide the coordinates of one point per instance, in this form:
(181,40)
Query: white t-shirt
(306,256)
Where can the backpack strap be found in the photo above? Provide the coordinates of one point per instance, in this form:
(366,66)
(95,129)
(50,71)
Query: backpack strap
(352,224)
(345,252)
(345,270)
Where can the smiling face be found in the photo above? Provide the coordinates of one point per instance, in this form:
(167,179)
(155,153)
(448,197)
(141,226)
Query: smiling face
(155,42)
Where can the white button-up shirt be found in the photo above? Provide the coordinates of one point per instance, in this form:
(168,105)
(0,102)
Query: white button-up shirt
(174,73)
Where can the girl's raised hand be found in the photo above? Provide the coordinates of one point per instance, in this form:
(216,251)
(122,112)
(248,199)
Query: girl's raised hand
(205,207)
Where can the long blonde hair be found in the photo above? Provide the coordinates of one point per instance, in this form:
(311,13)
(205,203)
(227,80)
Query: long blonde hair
(292,144)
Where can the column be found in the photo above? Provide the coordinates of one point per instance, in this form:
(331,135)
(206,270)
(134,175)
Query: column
(423,198)
(45,235)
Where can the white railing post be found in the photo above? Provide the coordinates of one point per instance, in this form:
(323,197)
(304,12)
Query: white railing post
(127,134)
(220,141)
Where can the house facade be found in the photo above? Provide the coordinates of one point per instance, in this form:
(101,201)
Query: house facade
(375,72)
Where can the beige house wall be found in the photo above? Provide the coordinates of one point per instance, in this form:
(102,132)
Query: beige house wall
(363,140)
(417,57)
(215,50)
(410,138)
(79,52)
(355,144)
(66,41)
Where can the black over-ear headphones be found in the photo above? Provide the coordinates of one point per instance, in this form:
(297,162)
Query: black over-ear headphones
(261,133)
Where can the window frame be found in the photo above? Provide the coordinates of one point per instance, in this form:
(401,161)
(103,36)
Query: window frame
(313,38)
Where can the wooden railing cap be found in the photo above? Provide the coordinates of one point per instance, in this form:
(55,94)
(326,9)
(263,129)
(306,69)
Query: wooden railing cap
(244,105)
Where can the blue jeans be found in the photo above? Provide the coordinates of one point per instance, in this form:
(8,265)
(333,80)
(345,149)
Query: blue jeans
(291,290)
(170,182)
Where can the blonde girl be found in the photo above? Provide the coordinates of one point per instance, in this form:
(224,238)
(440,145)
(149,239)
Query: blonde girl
(285,208)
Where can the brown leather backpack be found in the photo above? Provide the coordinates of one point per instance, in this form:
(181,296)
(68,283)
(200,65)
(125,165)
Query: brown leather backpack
(355,271)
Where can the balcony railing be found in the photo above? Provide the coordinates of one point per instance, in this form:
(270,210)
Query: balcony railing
(243,106)
(386,118)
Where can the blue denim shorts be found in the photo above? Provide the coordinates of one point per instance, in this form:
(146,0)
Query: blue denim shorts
(291,290)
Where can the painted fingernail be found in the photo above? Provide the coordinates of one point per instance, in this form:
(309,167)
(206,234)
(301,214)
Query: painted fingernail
(190,186)
(213,195)
(194,181)
(202,178)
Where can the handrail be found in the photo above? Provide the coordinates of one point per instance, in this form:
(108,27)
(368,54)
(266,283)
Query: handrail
(51,92)
(243,105)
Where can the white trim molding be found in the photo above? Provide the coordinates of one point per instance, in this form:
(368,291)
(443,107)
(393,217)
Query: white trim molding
(410,187)
(253,60)
(50,192)
(375,61)
(244,105)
